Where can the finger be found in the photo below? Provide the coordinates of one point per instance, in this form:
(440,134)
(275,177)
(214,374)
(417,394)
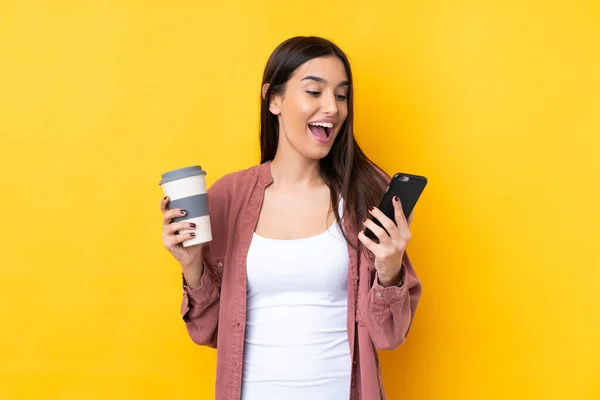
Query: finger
(369,244)
(178,226)
(381,234)
(168,241)
(172,241)
(170,214)
(182,237)
(163,203)
(410,217)
(387,223)
(399,214)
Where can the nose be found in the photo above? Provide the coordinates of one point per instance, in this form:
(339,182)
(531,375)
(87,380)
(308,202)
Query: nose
(329,105)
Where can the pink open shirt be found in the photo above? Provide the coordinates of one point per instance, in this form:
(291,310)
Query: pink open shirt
(215,313)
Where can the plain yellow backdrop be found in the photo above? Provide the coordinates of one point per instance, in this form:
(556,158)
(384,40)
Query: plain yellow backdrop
(496,102)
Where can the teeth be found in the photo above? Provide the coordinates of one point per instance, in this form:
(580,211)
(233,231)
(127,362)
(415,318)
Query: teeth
(323,124)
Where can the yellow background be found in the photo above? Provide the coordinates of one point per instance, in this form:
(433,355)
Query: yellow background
(497,102)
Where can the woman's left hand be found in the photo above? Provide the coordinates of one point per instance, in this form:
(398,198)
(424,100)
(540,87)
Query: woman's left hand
(390,250)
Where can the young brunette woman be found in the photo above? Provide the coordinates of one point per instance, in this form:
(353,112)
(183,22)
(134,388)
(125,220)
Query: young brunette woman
(291,293)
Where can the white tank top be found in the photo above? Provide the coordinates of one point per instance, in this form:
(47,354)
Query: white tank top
(296,345)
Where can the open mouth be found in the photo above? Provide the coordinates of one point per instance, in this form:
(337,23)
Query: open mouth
(321,130)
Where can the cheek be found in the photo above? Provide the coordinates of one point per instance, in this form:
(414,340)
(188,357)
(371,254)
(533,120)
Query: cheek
(343,112)
(343,108)
(306,108)
(299,112)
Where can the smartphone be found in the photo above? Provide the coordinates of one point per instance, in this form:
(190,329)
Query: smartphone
(408,188)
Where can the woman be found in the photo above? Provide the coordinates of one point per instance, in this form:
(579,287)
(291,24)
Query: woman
(293,295)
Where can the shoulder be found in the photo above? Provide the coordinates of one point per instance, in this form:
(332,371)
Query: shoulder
(385,177)
(226,197)
(234,182)
(383,174)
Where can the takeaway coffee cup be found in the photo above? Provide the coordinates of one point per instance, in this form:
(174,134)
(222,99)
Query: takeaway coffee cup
(186,188)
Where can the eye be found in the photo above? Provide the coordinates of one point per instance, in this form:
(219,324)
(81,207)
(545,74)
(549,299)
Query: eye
(342,97)
(313,93)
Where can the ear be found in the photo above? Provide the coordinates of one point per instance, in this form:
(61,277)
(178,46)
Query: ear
(264,90)
(274,100)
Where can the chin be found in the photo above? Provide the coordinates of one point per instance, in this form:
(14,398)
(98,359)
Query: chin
(318,154)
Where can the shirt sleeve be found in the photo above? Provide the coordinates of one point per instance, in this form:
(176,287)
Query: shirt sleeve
(200,306)
(391,310)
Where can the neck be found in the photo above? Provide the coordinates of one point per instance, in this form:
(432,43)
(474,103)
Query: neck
(292,169)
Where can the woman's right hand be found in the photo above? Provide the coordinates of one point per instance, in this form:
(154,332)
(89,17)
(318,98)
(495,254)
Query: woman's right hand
(190,258)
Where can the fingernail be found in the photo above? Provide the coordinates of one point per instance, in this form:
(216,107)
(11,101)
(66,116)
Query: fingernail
(396,199)
(365,221)
(192,225)
(183,212)
(192,234)
(371,208)
(166,197)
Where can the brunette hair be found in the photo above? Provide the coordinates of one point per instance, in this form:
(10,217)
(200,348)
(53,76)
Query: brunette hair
(347,171)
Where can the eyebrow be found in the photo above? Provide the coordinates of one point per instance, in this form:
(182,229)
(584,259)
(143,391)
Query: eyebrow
(321,80)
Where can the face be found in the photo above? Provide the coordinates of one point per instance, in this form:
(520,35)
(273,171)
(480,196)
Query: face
(313,107)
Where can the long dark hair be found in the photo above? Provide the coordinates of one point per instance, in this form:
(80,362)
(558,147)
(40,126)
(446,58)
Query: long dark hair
(346,169)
